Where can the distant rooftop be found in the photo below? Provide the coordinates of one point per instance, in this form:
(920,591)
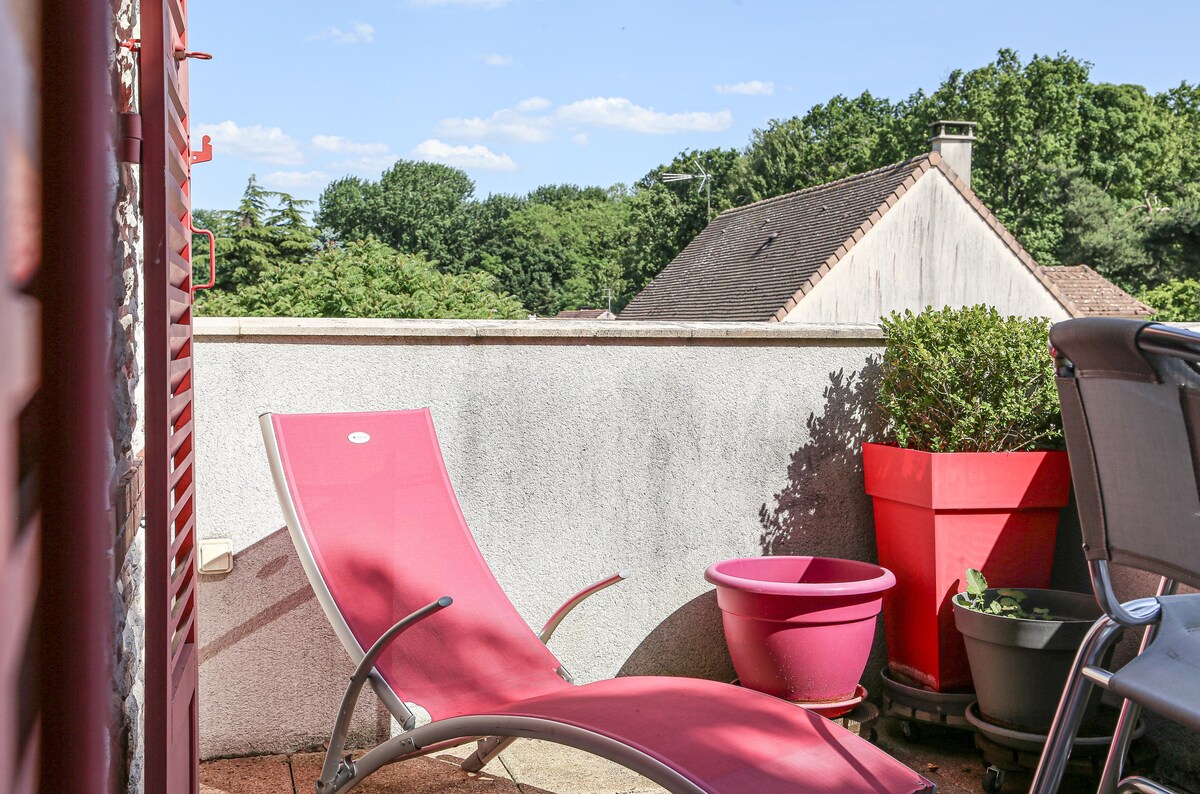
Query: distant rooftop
(585,314)
(1090,294)
(751,260)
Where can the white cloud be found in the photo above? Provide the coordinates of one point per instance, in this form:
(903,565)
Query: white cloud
(620,113)
(512,125)
(339,145)
(525,124)
(263,144)
(369,165)
(533,103)
(467,157)
(752,87)
(468,3)
(359,33)
(295,179)
(495,59)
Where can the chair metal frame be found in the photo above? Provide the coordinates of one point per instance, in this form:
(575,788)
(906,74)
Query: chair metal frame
(1144,613)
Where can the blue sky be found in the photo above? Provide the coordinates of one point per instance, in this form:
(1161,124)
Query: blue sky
(521,93)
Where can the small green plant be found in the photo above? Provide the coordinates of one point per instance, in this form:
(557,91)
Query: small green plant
(1005,603)
(969,380)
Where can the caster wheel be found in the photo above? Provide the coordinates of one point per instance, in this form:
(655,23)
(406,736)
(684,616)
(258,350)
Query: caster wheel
(911,731)
(993,780)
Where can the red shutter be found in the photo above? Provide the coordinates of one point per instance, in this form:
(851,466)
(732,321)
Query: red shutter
(172,749)
(56,632)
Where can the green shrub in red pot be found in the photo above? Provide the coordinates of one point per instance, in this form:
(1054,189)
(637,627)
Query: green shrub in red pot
(969,472)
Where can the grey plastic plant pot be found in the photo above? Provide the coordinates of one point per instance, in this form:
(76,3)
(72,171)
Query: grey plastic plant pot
(1021,666)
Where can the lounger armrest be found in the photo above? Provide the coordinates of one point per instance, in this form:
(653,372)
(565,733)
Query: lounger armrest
(336,770)
(575,601)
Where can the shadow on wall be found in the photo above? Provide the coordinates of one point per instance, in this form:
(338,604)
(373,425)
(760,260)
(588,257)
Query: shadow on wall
(684,644)
(272,671)
(823,510)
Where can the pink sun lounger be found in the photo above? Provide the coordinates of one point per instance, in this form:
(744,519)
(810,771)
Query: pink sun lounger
(370,508)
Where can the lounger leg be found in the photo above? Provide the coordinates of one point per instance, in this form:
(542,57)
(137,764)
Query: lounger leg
(486,750)
(1070,708)
(337,771)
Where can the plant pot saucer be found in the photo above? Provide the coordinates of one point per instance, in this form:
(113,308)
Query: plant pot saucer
(837,708)
(1033,742)
(828,710)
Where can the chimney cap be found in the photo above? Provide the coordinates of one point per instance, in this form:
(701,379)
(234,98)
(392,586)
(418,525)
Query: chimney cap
(963,130)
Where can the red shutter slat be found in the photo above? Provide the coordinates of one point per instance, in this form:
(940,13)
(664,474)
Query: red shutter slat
(171,673)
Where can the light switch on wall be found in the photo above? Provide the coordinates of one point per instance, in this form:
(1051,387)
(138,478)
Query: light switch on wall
(216,556)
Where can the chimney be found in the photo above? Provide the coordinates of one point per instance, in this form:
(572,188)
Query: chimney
(953,141)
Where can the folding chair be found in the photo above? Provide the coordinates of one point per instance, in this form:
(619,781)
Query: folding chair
(370,508)
(1130,395)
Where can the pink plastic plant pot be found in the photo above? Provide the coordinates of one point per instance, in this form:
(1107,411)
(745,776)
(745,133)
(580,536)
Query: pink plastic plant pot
(800,628)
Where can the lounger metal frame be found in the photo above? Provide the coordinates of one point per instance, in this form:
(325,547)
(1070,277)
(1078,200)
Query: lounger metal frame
(493,732)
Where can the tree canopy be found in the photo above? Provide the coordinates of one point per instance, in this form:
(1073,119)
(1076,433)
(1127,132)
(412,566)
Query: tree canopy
(1079,172)
(365,278)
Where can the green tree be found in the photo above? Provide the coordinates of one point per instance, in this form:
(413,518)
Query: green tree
(349,208)
(416,207)
(563,248)
(267,227)
(1131,145)
(834,140)
(365,279)
(1175,301)
(1172,244)
(1030,122)
(1096,230)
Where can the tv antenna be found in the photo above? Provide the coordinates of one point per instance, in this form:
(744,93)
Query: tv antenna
(705,183)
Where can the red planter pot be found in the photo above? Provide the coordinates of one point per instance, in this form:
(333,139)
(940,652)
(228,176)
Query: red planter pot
(937,514)
(799,628)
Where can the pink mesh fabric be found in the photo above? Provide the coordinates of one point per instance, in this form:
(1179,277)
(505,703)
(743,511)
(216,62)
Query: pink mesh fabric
(726,739)
(388,537)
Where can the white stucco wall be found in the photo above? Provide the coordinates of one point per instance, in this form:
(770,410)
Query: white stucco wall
(930,249)
(577,449)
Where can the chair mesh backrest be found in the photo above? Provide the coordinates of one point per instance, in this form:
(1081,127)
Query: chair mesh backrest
(388,537)
(1132,420)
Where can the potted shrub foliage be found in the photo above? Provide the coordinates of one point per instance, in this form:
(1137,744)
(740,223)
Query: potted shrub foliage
(968,473)
(1021,644)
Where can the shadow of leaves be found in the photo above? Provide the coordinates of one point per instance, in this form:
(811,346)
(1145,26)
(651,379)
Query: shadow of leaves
(823,511)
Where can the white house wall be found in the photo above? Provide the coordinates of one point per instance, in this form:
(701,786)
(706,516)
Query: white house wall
(930,249)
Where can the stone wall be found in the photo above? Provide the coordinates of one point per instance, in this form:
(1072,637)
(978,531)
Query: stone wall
(127,432)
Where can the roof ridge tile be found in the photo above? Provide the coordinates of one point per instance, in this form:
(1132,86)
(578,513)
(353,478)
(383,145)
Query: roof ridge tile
(915,162)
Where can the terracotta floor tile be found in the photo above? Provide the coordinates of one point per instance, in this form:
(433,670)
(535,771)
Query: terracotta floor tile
(427,775)
(267,774)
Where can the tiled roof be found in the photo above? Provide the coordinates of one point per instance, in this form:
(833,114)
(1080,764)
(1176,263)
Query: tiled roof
(735,269)
(752,260)
(1086,293)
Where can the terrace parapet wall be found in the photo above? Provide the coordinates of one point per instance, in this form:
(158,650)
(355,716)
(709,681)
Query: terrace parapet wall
(577,448)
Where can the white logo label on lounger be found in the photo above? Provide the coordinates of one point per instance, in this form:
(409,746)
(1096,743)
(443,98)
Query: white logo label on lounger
(359,437)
